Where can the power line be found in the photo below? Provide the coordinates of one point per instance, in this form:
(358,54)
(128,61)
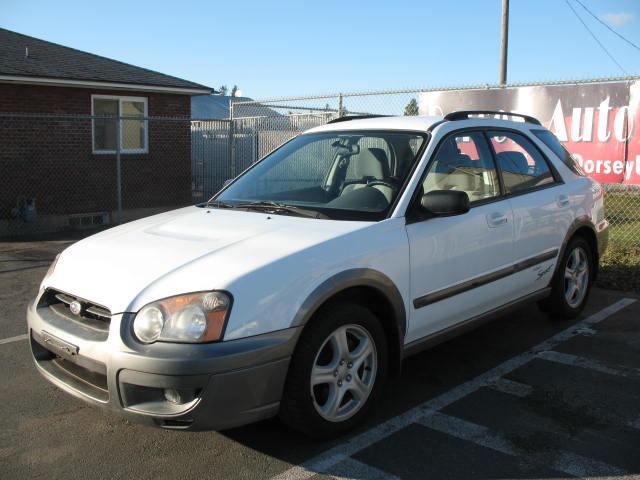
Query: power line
(595,38)
(609,27)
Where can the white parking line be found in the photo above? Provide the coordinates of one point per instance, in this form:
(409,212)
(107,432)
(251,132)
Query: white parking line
(512,388)
(354,469)
(17,338)
(587,331)
(326,460)
(469,431)
(556,459)
(584,362)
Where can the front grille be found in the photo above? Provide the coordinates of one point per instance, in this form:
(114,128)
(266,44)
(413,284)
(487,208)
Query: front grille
(90,315)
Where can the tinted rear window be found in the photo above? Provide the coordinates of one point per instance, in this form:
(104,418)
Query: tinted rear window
(551,141)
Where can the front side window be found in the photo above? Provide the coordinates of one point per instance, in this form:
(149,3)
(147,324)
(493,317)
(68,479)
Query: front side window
(347,174)
(127,127)
(522,165)
(464,162)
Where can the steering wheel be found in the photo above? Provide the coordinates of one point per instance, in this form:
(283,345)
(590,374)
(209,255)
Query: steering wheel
(384,183)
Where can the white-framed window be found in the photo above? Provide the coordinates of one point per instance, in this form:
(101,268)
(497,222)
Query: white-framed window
(132,131)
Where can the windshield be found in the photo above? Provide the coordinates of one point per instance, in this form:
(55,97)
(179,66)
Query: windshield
(343,175)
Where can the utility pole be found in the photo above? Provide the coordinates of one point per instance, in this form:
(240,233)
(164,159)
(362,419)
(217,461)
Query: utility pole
(505,43)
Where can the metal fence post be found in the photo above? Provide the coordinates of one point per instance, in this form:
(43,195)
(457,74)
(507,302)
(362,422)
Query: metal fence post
(118,171)
(232,139)
(340,105)
(256,140)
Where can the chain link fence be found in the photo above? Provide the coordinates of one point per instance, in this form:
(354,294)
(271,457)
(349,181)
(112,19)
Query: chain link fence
(622,207)
(66,172)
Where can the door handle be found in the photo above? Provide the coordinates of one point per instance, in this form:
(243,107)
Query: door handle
(563,201)
(496,219)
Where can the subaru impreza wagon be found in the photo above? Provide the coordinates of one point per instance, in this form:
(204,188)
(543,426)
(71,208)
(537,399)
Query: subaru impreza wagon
(303,284)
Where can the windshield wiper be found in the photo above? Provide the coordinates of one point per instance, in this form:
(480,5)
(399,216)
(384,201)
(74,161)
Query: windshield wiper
(275,207)
(217,204)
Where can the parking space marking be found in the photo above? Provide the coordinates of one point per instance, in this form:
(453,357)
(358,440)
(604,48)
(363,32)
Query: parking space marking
(584,362)
(17,338)
(331,457)
(471,432)
(567,462)
(512,388)
(351,468)
(587,331)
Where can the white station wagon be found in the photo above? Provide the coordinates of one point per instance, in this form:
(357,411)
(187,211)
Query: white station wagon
(302,284)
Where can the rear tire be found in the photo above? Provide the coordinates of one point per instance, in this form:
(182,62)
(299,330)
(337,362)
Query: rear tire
(336,372)
(571,285)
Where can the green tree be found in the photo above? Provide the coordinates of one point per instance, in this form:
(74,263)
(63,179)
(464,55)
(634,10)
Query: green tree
(223,90)
(234,90)
(411,109)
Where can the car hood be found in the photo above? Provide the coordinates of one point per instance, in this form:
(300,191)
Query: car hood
(185,250)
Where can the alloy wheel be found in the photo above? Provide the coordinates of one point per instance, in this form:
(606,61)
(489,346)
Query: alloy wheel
(576,277)
(343,373)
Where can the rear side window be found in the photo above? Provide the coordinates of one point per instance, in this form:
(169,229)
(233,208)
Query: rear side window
(522,165)
(551,141)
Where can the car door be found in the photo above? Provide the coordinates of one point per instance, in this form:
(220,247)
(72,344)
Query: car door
(540,205)
(455,260)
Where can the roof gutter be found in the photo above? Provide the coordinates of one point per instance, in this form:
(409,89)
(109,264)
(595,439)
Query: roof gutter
(60,82)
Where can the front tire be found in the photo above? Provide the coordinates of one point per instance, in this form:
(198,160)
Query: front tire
(571,284)
(336,372)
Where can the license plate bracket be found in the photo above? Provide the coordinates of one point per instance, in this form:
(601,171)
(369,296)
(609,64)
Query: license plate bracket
(60,347)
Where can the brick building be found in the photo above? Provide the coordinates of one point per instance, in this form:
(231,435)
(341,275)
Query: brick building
(58,163)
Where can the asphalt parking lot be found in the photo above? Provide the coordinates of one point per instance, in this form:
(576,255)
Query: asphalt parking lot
(522,397)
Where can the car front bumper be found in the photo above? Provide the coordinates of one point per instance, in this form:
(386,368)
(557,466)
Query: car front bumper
(220,385)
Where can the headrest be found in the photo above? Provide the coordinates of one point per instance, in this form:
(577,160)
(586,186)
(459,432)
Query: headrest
(447,164)
(372,162)
(514,162)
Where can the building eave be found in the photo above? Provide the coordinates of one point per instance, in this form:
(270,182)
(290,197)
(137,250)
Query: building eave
(61,82)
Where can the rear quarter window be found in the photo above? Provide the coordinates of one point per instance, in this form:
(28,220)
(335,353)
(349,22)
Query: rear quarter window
(551,141)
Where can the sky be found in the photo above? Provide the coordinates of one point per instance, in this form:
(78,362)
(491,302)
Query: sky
(289,48)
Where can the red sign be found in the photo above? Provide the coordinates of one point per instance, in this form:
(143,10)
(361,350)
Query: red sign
(597,122)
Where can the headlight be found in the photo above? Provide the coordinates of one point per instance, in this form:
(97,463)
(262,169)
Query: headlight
(148,324)
(192,318)
(52,267)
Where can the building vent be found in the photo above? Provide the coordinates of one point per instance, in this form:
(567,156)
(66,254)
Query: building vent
(88,220)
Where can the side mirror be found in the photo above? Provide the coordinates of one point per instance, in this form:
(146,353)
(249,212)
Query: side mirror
(445,203)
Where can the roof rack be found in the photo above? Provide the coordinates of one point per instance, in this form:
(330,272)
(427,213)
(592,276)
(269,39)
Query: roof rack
(354,117)
(464,115)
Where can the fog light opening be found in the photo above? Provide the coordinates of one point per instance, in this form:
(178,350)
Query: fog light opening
(173,396)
